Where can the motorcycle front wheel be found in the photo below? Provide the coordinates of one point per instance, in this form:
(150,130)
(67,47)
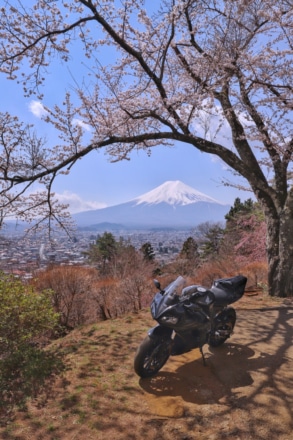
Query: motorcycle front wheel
(151,356)
(223,327)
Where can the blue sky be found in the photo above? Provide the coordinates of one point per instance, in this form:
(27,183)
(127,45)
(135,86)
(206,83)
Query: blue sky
(94,182)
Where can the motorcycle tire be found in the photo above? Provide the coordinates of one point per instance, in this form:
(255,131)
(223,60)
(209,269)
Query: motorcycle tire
(225,322)
(151,356)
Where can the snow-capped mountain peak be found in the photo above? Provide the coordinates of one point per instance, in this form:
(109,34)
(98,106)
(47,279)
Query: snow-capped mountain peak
(174,193)
(172,204)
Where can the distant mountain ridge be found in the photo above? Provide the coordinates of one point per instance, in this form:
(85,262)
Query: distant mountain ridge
(172,204)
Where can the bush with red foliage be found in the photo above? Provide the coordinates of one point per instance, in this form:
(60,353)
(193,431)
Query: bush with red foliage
(82,296)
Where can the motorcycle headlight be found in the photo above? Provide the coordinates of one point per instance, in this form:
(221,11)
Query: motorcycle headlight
(169,320)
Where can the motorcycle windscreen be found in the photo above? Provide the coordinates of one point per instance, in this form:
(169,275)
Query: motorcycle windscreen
(161,303)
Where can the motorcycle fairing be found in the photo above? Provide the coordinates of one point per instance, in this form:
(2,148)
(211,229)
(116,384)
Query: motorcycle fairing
(183,341)
(228,290)
(166,298)
(160,332)
(161,304)
(187,315)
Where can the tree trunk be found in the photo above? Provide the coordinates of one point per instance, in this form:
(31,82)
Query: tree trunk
(280,253)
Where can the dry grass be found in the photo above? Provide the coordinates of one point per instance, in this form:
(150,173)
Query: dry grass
(244,393)
(96,395)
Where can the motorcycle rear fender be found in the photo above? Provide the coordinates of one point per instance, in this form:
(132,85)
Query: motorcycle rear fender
(159,332)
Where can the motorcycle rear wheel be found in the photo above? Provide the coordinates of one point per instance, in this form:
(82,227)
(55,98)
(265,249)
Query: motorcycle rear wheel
(151,356)
(225,323)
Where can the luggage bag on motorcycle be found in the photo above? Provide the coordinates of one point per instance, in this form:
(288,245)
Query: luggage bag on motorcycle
(228,290)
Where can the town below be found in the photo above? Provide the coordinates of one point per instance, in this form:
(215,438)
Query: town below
(24,255)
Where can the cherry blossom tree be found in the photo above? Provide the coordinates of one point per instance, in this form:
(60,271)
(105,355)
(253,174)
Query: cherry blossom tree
(245,227)
(216,75)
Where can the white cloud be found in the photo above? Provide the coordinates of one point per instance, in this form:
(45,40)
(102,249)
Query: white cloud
(82,124)
(37,109)
(218,160)
(76,203)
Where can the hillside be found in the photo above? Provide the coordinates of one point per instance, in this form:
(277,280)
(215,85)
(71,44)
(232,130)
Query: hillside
(244,392)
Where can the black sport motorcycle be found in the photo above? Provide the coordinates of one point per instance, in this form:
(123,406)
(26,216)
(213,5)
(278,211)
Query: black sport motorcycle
(188,318)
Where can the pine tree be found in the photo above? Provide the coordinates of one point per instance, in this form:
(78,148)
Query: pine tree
(147,251)
(190,249)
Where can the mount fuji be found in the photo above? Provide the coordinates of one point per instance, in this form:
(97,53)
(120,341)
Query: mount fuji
(172,204)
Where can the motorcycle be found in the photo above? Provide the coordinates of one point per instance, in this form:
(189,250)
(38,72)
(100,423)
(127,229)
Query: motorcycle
(188,317)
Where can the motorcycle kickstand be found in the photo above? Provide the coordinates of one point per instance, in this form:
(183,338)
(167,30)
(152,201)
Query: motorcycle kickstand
(202,355)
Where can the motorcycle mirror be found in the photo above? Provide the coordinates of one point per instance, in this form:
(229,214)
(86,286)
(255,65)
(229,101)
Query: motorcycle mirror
(157,284)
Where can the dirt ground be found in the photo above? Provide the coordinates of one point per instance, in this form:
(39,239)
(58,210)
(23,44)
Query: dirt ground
(245,391)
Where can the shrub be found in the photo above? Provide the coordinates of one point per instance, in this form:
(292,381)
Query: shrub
(214,269)
(257,274)
(24,314)
(72,293)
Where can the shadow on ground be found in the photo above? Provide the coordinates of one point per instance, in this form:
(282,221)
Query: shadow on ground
(247,382)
